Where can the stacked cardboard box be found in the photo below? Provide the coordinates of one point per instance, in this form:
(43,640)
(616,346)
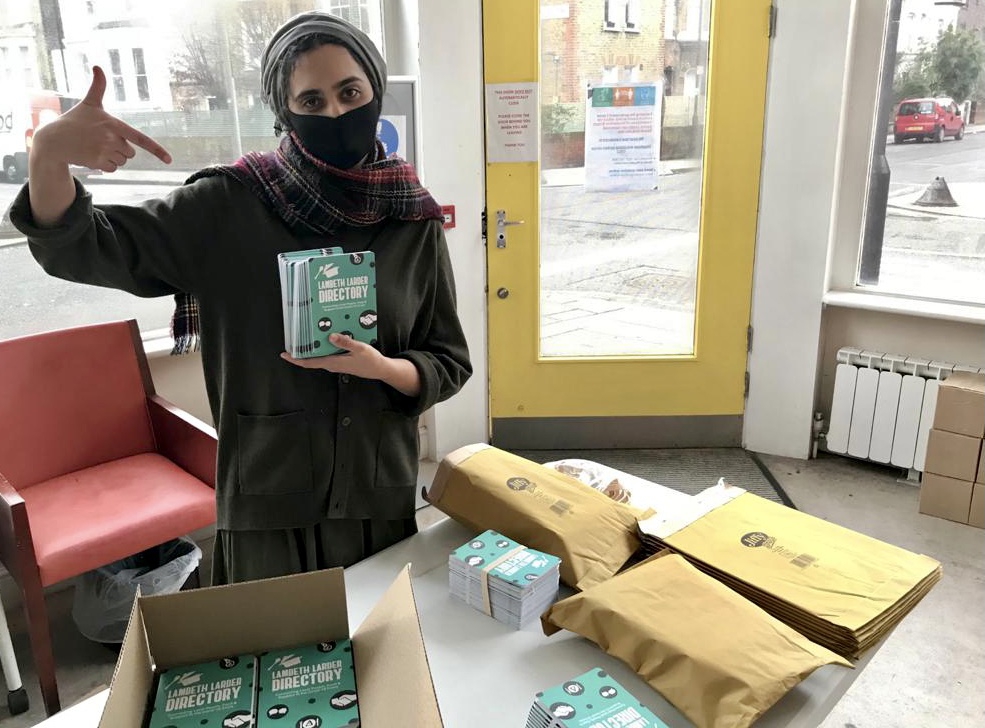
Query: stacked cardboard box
(953,484)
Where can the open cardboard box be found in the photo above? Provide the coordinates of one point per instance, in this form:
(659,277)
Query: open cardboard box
(392,674)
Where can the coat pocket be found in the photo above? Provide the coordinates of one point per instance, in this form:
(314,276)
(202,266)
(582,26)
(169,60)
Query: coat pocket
(397,451)
(274,454)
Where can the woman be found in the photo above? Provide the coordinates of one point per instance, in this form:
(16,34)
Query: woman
(317,463)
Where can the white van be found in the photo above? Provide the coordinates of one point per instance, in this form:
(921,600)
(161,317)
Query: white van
(22,112)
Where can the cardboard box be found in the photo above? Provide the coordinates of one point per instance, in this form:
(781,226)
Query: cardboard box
(976,516)
(395,686)
(961,404)
(945,497)
(981,466)
(952,455)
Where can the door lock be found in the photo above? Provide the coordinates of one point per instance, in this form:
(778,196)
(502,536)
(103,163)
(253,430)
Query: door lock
(501,223)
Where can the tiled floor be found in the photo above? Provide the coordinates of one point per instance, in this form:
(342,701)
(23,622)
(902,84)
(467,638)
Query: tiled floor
(929,673)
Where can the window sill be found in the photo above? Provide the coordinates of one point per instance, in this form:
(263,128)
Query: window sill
(157,343)
(963,312)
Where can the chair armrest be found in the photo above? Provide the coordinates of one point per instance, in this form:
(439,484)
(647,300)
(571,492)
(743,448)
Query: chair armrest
(184,439)
(12,510)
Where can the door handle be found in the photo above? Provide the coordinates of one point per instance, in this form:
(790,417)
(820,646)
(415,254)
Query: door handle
(501,223)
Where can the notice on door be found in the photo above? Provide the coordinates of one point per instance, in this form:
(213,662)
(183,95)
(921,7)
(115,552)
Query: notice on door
(622,137)
(512,131)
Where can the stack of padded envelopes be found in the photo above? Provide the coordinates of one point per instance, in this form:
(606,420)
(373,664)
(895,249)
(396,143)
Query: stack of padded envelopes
(837,587)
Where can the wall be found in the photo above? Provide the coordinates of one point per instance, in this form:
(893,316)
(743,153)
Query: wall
(796,198)
(952,341)
(815,168)
(454,165)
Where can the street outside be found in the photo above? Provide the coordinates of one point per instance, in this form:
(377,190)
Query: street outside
(617,269)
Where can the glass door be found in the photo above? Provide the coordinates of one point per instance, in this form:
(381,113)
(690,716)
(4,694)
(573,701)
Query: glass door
(623,160)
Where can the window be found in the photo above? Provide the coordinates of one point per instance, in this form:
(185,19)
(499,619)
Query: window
(28,68)
(116,73)
(166,77)
(915,107)
(612,19)
(621,15)
(924,229)
(143,93)
(633,16)
(355,11)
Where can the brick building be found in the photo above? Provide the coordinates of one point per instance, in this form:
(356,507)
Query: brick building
(587,42)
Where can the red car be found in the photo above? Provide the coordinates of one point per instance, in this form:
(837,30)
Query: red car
(928,119)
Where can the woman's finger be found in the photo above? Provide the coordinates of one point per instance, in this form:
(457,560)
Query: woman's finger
(143,141)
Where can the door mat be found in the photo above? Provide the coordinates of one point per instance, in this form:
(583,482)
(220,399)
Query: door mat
(688,470)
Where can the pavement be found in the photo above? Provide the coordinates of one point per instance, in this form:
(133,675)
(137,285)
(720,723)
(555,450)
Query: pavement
(969,196)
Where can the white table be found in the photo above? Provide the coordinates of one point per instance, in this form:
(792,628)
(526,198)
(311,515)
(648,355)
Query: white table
(485,673)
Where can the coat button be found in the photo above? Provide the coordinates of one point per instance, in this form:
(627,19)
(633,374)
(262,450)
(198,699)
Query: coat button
(345,379)
(346,421)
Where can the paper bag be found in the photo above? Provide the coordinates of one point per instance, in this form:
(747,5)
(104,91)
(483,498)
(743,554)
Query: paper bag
(483,488)
(718,658)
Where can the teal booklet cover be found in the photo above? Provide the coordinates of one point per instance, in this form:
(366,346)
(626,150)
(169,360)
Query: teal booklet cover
(313,686)
(590,700)
(217,693)
(323,292)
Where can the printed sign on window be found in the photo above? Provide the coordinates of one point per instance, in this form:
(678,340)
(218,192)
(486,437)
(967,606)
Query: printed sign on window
(512,131)
(622,136)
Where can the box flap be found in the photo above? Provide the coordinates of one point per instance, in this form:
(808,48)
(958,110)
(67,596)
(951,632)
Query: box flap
(965,380)
(133,678)
(393,678)
(249,617)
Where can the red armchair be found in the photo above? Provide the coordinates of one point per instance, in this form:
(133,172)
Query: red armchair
(94,466)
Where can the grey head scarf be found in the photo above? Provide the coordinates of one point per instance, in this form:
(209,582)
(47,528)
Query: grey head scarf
(274,75)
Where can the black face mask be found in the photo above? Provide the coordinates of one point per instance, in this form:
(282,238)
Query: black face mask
(341,141)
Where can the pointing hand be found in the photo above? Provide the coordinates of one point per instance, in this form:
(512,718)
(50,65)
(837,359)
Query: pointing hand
(86,135)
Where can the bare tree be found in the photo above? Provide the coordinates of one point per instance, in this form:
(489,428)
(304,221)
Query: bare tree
(197,65)
(249,25)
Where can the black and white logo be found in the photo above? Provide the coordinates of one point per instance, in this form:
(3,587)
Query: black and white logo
(573,688)
(754,539)
(562,710)
(518,483)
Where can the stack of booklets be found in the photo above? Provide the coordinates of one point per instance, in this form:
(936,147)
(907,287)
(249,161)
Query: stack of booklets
(504,579)
(839,588)
(323,292)
(588,701)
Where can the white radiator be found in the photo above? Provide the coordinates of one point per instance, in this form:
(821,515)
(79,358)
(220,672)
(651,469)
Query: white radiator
(883,406)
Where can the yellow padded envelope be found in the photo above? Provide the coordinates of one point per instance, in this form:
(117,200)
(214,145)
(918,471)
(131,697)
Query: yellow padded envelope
(826,578)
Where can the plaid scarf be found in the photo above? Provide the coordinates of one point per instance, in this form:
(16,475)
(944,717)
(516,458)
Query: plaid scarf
(311,197)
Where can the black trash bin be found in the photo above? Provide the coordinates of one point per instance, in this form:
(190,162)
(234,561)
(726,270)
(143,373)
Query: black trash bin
(104,596)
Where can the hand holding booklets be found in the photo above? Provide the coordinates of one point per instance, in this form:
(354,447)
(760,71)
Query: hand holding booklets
(323,292)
